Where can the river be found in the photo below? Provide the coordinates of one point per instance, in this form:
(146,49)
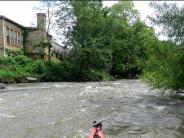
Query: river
(129,109)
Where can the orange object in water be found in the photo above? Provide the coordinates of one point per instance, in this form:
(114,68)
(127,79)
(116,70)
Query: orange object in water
(96,133)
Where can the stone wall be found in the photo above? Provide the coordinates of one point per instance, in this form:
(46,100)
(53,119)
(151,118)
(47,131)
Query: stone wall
(1,38)
(36,36)
(15,33)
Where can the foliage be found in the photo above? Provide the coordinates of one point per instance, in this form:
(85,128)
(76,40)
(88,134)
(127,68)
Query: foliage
(100,39)
(125,10)
(11,53)
(164,68)
(57,71)
(88,50)
(14,69)
(170,17)
(7,76)
(158,71)
(38,69)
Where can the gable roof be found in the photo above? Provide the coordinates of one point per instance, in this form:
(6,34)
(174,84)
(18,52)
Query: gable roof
(19,25)
(57,46)
(9,20)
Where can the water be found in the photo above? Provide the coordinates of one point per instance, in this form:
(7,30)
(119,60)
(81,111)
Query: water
(66,110)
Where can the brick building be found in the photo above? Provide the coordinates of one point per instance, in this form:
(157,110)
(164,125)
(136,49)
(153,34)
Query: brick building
(14,36)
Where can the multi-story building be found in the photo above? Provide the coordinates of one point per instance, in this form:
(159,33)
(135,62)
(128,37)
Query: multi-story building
(14,36)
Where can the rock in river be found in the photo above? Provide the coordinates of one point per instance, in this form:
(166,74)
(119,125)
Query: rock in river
(31,79)
(2,86)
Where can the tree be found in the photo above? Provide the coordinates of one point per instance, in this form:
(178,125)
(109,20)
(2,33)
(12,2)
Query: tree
(85,36)
(124,52)
(99,38)
(125,10)
(171,18)
(164,68)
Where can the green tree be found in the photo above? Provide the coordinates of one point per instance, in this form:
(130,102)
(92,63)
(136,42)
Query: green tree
(125,51)
(165,68)
(171,18)
(125,10)
(85,37)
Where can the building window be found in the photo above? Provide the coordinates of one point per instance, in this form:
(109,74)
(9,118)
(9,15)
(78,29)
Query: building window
(18,38)
(21,40)
(7,35)
(15,37)
(8,39)
(12,38)
(12,41)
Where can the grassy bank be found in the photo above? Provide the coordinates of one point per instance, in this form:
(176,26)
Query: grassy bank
(16,69)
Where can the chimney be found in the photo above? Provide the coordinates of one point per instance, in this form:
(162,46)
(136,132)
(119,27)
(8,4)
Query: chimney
(41,21)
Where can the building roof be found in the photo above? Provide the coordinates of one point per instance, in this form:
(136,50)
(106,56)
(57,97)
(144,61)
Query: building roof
(9,20)
(58,47)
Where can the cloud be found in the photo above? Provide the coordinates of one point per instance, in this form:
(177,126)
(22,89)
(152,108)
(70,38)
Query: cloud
(23,13)
(19,11)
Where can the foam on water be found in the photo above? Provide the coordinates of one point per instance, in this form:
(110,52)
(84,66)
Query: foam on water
(67,110)
(6,115)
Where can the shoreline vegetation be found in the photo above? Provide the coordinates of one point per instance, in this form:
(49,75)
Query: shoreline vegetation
(107,44)
(21,69)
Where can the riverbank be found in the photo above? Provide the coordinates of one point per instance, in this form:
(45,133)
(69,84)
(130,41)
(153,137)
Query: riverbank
(19,68)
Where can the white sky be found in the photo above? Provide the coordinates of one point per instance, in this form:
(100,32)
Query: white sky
(23,13)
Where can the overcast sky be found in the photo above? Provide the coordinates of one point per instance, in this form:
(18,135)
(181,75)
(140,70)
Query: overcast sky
(23,13)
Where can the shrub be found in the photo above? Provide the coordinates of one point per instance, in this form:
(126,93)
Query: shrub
(7,76)
(22,60)
(55,71)
(93,75)
(38,69)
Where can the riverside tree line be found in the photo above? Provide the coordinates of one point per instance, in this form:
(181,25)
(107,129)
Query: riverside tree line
(110,43)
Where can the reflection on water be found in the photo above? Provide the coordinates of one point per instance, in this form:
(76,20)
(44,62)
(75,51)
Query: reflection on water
(66,110)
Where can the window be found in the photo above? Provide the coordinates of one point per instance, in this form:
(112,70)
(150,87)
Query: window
(12,40)
(8,39)
(8,35)
(21,39)
(18,38)
(7,31)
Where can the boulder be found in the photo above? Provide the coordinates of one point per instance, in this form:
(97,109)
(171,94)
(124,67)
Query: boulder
(2,86)
(31,79)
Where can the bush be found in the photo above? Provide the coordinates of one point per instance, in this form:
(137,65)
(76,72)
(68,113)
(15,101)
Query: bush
(38,69)
(22,60)
(15,69)
(93,75)
(55,71)
(7,76)
(164,68)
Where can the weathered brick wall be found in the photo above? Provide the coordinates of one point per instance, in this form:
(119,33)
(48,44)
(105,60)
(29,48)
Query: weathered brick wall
(1,38)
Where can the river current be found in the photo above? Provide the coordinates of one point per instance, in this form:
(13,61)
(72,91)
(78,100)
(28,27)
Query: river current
(128,108)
